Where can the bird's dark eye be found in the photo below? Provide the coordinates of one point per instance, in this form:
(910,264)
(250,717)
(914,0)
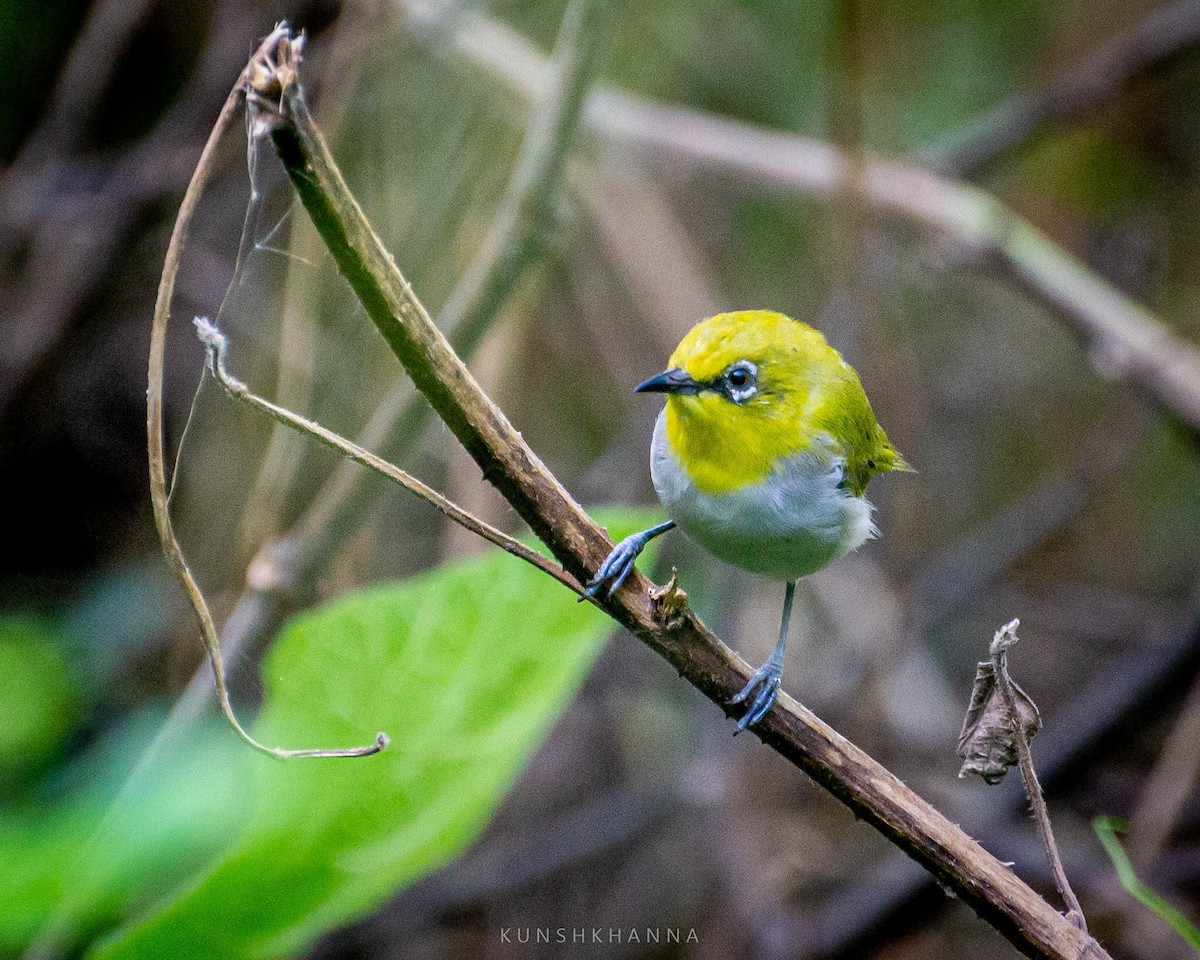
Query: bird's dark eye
(739,381)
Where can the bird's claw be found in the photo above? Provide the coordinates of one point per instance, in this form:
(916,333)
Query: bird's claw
(766,681)
(616,567)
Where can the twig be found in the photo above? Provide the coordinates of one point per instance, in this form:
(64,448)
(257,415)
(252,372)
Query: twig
(1106,832)
(280,465)
(868,789)
(1123,339)
(216,347)
(892,894)
(1159,37)
(258,65)
(1005,637)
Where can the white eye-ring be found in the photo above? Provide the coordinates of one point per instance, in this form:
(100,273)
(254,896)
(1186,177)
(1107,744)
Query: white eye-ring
(741,381)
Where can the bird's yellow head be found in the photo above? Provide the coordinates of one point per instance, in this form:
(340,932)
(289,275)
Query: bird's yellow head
(748,389)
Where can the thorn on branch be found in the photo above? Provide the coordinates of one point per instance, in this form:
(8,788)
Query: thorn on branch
(668,602)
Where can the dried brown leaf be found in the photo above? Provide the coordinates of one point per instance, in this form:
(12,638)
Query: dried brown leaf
(988,744)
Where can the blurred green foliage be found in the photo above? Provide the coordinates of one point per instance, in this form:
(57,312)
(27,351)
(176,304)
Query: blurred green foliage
(466,666)
(37,693)
(107,832)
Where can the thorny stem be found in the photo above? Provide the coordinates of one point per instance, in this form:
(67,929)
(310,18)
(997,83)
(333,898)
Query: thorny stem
(260,64)
(216,344)
(1005,637)
(868,789)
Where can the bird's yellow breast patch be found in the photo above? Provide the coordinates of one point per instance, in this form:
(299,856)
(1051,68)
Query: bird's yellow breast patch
(722,451)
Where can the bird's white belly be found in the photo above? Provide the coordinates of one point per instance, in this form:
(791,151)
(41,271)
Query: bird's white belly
(795,521)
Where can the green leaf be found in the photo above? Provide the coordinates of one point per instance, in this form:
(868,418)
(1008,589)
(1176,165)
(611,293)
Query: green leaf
(1106,829)
(466,667)
(113,831)
(37,692)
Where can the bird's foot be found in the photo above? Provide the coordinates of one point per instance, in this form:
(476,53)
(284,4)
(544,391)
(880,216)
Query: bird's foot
(616,566)
(766,681)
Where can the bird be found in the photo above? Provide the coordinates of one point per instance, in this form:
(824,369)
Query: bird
(761,454)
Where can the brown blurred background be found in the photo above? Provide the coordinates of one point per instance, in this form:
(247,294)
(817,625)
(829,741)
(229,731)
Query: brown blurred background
(1045,489)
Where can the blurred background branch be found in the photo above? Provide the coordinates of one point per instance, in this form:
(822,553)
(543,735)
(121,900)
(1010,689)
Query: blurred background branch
(1165,34)
(1123,339)
(68,210)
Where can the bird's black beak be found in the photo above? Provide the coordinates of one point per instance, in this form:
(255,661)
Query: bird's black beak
(671,381)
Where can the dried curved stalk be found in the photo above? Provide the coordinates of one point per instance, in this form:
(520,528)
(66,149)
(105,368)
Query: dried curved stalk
(261,64)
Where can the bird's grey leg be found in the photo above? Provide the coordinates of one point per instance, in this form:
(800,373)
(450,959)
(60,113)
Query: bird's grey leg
(767,678)
(618,564)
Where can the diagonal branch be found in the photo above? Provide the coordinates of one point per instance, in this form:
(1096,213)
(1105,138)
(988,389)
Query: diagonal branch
(1161,36)
(1011,694)
(869,790)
